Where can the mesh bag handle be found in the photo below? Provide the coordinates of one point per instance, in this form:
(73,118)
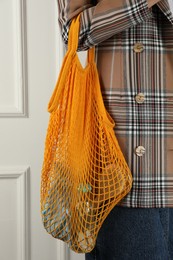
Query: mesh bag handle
(84,172)
(73,40)
(69,58)
(71,54)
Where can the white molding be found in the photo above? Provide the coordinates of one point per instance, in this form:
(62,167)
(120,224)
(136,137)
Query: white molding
(60,47)
(63,252)
(22,176)
(20,107)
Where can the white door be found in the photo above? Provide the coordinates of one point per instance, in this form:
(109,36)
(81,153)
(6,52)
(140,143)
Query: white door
(31,53)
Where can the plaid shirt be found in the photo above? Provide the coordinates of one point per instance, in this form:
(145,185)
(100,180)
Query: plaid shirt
(134,55)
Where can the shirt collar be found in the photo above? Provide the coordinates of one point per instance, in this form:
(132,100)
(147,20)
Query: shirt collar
(165,8)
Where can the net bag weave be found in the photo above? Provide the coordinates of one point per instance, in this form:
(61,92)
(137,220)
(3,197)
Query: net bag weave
(84,173)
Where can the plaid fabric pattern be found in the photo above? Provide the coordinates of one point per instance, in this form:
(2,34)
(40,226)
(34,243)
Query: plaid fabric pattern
(114,28)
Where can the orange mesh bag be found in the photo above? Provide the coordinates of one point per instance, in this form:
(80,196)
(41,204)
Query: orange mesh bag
(84,173)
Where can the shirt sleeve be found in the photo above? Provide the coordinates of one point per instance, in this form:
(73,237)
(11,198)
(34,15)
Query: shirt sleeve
(100,19)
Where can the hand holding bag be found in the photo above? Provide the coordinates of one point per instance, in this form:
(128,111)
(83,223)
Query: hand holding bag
(84,173)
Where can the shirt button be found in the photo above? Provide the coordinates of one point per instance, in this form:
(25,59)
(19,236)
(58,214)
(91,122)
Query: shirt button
(140,98)
(138,47)
(140,150)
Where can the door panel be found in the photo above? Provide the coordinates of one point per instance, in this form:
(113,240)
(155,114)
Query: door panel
(31,52)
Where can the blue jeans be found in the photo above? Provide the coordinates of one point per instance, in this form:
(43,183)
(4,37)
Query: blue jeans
(135,234)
